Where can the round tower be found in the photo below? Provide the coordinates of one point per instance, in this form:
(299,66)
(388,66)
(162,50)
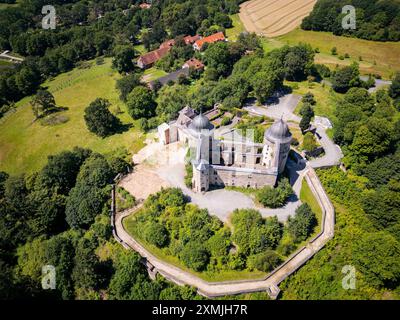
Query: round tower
(280,135)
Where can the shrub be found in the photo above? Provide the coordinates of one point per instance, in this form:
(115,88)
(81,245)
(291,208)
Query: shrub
(306,109)
(141,103)
(156,234)
(302,224)
(309,98)
(265,261)
(195,256)
(225,121)
(275,197)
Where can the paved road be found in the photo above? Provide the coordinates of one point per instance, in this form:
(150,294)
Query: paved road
(7,56)
(378,83)
(285,109)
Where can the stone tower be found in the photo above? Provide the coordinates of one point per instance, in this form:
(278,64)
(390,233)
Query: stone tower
(203,129)
(279,134)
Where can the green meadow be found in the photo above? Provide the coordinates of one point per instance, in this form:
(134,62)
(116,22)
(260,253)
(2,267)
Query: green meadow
(373,56)
(25,144)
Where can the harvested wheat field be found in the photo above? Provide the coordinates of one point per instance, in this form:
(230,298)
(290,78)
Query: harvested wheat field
(273,18)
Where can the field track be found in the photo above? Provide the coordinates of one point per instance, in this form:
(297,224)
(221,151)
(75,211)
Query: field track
(273,18)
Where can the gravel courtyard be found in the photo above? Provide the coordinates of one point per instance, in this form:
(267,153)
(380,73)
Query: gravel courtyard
(163,166)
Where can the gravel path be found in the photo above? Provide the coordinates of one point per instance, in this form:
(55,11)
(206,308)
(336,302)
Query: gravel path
(222,202)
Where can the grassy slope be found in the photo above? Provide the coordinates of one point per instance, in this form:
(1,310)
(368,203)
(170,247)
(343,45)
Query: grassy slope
(153,74)
(306,196)
(238,28)
(385,54)
(25,145)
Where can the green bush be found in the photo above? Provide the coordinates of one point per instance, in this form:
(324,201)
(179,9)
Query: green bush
(302,224)
(275,197)
(265,261)
(156,234)
(195,256)
(225,121)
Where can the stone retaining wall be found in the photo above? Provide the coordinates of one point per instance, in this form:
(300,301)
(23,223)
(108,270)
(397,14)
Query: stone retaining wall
(269,283)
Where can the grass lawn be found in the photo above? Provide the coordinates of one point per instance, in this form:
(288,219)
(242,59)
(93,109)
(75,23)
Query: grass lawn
(378,57)
(129,225)
(9,5)
(5,65)
(153,74)
(326,98)
(306,196)
(25,145)
(238,27)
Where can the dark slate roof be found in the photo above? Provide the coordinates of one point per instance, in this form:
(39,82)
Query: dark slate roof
(279,132)
(200,123)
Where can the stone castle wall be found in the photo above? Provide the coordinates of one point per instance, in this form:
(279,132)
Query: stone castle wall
(223,177)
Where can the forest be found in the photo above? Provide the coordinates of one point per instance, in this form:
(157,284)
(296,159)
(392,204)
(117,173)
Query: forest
(366,199)
(60,216)
(90,29)
(377,20)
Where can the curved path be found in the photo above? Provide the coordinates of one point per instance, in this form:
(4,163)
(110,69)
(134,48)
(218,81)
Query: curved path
(285,109)
(216,289)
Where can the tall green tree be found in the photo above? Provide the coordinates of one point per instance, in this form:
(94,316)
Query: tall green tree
(141,103)
(42,102)
(99,119)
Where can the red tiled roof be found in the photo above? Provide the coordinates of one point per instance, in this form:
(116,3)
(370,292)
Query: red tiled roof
(167,44)
(153,56)
(191,39)
(187,39)
(194,63)
(210,39)
(145,5)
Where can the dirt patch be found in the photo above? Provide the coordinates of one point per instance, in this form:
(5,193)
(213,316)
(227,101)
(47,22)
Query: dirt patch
(273,18)
(142,182)
(145,179)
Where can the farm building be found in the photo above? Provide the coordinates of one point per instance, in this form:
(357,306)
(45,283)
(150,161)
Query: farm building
(219,36)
